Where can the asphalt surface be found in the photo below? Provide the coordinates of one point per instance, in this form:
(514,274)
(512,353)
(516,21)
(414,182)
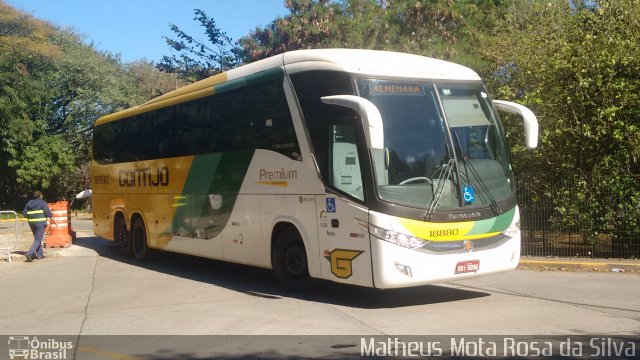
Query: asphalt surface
(91,289)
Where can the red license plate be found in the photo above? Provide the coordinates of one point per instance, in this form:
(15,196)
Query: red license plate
(470,266)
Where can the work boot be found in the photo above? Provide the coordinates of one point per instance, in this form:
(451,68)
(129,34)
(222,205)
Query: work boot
(29,258)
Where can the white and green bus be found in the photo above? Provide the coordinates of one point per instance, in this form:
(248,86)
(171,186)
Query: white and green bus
(370,168)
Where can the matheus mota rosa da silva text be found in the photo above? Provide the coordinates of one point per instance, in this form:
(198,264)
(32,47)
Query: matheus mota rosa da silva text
(556,347)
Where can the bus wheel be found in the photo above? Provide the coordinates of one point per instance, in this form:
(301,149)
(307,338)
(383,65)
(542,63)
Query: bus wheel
(122,236)
(289,260)
(141,250)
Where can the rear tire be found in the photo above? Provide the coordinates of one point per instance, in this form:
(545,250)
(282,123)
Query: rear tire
(140,247)
(289,260)
(121,236)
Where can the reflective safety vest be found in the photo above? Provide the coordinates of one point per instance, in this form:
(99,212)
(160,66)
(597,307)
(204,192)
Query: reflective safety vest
(37,211)
(36,215)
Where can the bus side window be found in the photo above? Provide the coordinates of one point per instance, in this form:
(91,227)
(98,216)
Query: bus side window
(270,120)
(310,87)
(345,172)
(103,140)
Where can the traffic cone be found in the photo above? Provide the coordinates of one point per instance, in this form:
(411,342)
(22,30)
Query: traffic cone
(58,232)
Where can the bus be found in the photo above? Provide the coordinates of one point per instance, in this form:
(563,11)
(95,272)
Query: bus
(371,168)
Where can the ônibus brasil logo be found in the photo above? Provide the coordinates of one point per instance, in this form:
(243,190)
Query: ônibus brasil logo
(32,348)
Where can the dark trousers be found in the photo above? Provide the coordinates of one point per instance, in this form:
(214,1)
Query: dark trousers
(37,228)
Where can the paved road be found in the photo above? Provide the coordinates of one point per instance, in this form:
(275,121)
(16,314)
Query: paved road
(91,289)
(82,223)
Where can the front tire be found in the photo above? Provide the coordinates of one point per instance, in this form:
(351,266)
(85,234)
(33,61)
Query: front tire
(289,260)
(140,247)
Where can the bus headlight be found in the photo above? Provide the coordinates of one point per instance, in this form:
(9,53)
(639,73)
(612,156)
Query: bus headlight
(404,240)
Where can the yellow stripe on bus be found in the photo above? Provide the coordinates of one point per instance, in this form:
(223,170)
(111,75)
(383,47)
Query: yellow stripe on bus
(454,231)
(156,105)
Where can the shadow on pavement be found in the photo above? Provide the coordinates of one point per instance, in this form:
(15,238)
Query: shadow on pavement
(262,283)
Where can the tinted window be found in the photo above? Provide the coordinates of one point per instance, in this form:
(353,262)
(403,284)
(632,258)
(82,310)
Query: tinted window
(310,87)
(254,117)
(335,131)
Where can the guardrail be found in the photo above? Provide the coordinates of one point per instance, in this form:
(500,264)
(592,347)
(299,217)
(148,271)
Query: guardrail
(5,233)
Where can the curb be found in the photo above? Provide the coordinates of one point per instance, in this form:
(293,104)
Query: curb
(569,264)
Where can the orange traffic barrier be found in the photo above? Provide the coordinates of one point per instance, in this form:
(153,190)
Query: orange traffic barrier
(58,233)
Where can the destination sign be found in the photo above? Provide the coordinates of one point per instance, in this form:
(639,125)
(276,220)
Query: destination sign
(396,88)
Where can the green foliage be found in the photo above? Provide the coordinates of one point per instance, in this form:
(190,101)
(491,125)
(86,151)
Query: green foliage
(53,87)
(150,81)
(433,28)
(440,28)
(42,160)
(579,70)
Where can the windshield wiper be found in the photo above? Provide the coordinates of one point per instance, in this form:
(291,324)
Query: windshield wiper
(445,174)
(483,186)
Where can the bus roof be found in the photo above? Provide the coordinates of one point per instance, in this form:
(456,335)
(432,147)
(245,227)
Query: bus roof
(376,62)
(371,62)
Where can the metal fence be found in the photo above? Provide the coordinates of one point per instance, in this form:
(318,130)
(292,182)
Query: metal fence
(568,218)
(9,232)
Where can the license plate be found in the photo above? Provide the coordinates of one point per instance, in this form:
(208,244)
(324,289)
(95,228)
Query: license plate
(470,266)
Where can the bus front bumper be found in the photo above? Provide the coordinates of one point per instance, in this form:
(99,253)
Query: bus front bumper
(396,266)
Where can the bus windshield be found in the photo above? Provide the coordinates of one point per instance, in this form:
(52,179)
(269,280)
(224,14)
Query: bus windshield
(444,148)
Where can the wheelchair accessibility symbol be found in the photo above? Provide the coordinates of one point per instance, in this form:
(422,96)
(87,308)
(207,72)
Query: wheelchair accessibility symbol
(469,194)
(331,205)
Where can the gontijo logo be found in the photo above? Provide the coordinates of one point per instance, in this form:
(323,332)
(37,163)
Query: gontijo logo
(341,261)
(24,347)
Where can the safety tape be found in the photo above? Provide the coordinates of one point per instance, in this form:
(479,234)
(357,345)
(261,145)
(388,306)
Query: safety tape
(60,218)
(59,212)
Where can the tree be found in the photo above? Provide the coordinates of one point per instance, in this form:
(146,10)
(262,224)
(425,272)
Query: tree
(53,88)
(196,59)
(150,81)
(578,67)
(440,29)
(433,28)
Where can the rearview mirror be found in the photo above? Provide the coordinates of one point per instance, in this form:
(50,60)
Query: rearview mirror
(369,114)
(530,120)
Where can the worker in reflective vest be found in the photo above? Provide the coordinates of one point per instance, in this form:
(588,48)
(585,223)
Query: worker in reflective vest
(37,211)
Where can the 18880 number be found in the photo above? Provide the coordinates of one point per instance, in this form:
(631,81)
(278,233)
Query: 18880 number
(443,233)
(101,179)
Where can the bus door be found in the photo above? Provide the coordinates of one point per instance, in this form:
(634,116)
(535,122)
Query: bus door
(343,232)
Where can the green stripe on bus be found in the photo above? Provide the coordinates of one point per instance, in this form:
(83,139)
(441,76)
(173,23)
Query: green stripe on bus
(496,224)
(481,226)
(219,175)
(503,221)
